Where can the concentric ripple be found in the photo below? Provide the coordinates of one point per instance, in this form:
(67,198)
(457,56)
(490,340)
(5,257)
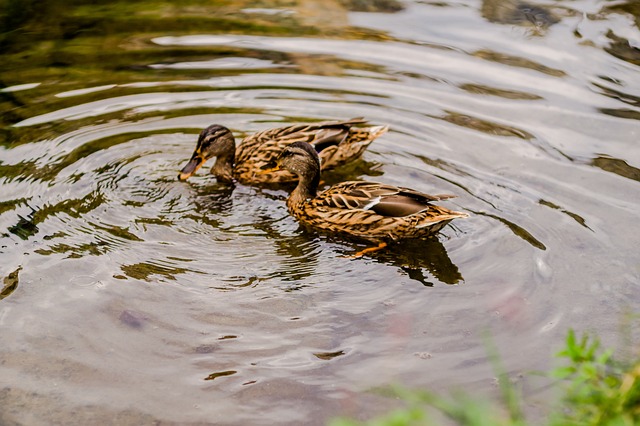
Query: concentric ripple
(127,292)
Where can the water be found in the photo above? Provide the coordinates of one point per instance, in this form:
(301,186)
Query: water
(132,298)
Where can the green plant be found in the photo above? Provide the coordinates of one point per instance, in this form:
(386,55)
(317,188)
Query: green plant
(596,391)
(599,390)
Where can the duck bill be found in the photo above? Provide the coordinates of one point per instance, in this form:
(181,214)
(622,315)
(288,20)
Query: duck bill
(192,166)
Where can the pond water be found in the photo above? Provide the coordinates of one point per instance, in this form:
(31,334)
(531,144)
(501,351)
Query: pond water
(130,297)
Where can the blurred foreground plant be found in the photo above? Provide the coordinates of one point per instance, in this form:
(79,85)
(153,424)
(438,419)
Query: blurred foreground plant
(596,390)
(600,390)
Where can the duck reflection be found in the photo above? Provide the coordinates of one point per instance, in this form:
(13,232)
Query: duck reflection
(214,198)
(423,260)
(300,253)
(297,255)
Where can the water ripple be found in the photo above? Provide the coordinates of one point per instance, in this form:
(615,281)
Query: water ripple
(531,120)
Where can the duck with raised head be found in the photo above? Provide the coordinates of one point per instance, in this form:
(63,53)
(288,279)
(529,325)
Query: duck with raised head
(337,142)
(373,211)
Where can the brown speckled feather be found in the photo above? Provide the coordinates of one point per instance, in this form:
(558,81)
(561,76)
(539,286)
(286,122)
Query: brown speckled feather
(374,211)
(369,210)
(338,142)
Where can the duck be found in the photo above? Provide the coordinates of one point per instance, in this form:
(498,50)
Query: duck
(372,211)
(337,142)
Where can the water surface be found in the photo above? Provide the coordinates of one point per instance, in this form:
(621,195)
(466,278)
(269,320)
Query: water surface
(132,298)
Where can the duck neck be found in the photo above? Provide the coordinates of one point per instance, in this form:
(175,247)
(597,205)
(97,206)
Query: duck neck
(307,189)
(223,167)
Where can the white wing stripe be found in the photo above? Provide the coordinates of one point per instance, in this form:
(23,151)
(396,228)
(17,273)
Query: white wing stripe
(371,203)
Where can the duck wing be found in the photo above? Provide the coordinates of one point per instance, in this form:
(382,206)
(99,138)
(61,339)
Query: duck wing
(270,143)
(382,199)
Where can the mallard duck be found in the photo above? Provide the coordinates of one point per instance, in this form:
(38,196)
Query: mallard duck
(368,210)
(337,142)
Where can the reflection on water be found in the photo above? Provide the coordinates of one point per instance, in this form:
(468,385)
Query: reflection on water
(484,126)
(574,216)
(129,295)
(617,166)
(516,61)
(622,48)
(10,283)
(517,12)
(414,257)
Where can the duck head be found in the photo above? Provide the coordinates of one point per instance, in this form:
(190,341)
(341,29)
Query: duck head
(214,141)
